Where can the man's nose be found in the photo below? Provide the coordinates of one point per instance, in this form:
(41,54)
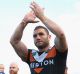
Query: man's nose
(38,37)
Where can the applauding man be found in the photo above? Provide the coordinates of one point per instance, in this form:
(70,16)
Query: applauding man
(48,60)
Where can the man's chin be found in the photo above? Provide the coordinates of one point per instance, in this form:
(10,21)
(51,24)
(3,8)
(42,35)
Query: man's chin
(39,46)
(11,72)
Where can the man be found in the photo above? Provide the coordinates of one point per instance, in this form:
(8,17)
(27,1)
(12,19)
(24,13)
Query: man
(13,69)
(2,69)
(48,60)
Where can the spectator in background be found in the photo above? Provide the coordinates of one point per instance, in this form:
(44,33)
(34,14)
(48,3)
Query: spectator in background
(2,69)
(13,69)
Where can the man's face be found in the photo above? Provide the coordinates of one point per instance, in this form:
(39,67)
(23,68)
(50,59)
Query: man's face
(13,69)
(1,68)
(41,38)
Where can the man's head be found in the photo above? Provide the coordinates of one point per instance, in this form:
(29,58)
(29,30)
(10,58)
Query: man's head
(41,37)
(1,68)
(13,69)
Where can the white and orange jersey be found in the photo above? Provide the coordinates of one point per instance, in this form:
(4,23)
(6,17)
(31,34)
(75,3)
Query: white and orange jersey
(50,62)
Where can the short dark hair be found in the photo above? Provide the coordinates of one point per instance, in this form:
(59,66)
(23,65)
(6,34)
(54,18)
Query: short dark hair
(38,27)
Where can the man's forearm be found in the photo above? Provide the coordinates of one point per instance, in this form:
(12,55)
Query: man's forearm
(51,25)
(16,37)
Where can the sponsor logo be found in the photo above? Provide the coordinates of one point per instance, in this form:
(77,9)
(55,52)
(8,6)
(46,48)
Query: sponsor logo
(41,64)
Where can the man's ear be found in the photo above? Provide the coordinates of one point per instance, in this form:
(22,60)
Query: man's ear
(49,36)
(18,69)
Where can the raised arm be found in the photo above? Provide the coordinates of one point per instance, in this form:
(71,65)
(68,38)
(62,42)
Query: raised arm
(15,40)
(60,40)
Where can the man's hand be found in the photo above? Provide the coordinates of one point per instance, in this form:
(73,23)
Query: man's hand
(29,18)
(39,11)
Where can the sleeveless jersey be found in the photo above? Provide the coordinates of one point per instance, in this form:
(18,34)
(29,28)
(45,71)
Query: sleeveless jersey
(50,62)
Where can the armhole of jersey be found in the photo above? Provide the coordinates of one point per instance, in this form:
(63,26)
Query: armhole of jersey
(59,51)
(28,59)
(62,54)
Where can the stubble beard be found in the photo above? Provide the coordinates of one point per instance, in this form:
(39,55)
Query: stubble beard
(44,45)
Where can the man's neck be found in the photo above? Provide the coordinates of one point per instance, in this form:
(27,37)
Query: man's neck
(44,49)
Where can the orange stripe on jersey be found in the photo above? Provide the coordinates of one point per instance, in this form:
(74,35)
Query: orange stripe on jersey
(51,53)
(38,70)
(31,58)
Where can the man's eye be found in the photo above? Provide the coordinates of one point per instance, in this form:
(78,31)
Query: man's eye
(34,35)
(41,34)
